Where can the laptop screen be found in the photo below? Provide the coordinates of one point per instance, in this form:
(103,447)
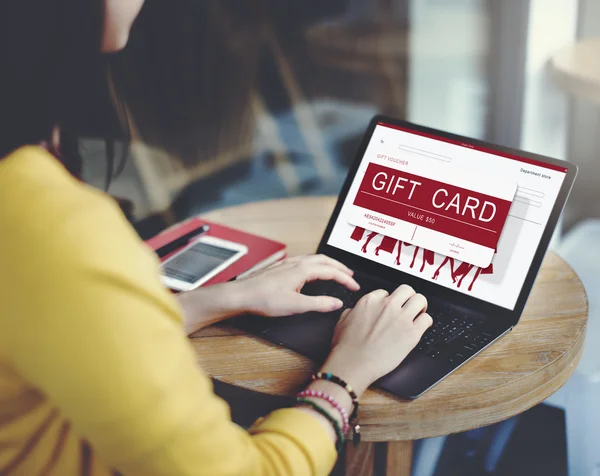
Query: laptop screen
(462,216)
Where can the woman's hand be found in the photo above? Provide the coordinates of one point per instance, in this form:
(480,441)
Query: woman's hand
(372,339)
(275,291)
(272,292)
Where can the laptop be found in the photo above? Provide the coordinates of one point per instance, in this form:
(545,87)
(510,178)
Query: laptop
(464,222)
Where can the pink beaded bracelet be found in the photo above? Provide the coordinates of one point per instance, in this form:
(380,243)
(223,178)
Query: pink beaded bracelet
(332,401)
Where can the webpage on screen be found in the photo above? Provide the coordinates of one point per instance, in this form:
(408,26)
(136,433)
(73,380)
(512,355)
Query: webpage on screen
(467,218)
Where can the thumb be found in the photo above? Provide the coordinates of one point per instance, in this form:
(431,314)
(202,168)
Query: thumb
(345,314)
(302,303)
(423,322)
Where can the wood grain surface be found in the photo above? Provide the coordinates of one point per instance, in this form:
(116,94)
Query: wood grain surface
(360,460)
(399,458)
(519,371)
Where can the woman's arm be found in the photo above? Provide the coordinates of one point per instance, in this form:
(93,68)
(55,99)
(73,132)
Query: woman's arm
(94,330)
(206,306)
(272,292)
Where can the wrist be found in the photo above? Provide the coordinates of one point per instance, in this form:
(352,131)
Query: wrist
(236,298)
(334,400)
(248,298)
(206,306)
(354,374)
(340,395)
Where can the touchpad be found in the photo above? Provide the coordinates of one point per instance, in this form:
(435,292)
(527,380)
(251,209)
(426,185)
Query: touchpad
(308,334)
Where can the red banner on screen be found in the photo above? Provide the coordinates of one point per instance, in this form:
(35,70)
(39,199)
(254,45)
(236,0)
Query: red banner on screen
(439,206)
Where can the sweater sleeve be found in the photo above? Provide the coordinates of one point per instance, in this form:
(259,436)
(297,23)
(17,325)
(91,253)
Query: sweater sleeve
(97,333)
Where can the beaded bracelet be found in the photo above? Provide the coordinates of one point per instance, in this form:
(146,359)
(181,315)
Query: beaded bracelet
(338,381)
(336,426)
(354,417)
(332,401)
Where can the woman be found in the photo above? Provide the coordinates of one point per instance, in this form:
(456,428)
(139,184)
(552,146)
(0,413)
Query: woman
(96,373)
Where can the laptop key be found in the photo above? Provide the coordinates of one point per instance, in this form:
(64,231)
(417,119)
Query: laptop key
(421,348)
(437,352)
(450,328)
(455,358)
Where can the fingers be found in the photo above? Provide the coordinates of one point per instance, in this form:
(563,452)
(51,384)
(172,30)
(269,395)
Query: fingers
(301,304)
(326,272)
(377,294)
(401,295)
(345,314)
(321,259)
(321,267)
(415,305)
(373,300)
(380,293)
(373,296)
(423,322)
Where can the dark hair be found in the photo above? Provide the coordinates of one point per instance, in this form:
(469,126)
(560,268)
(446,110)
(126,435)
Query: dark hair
(188,73)
(53,74)
(187,91)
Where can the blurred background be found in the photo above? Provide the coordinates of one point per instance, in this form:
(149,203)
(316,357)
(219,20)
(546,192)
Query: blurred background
(304,78)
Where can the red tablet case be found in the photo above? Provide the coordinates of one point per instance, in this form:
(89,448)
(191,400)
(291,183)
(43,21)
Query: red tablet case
(261,251)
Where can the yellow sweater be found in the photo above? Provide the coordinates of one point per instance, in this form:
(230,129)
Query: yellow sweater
(96,373)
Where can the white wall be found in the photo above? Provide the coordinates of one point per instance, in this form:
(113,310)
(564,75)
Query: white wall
(552,26)
(584,134)
(447,76)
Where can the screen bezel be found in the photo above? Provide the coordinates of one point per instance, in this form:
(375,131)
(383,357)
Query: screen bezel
(395,276)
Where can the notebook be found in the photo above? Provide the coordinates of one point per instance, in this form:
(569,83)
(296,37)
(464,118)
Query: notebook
(262,252)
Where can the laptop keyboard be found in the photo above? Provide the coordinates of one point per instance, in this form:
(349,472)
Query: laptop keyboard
(453,337)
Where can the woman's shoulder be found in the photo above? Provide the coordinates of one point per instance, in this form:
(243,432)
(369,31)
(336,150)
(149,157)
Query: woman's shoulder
(31,171)
(34,186)
(43,206)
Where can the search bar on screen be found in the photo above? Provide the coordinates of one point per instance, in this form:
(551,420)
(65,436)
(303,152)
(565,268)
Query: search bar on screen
(527,200)
(424,153)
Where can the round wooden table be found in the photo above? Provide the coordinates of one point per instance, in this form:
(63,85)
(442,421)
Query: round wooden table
(521,370)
